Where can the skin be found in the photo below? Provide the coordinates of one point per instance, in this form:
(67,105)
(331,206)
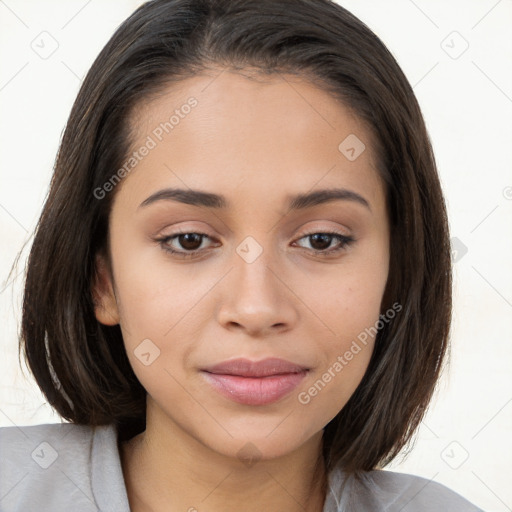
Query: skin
(255,143)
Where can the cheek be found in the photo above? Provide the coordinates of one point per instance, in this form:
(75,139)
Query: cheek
(162,310)
(155,295)
(348,306)
(345,355)
(327,392)
(348,300)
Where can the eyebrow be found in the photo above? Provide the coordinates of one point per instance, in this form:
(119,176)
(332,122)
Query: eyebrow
(295,202)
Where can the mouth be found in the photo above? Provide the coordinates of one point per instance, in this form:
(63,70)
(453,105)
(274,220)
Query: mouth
(254,390)
(246,368)
(255,383)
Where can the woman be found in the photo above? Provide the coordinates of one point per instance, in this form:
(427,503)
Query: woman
(239,292)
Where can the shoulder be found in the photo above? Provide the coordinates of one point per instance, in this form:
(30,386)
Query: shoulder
(415,493)
(383,490)
(49,466)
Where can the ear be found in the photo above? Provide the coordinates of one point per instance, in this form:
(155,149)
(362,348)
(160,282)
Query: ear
(105,303)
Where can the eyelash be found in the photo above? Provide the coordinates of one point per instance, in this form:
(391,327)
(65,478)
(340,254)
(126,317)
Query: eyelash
(344,242)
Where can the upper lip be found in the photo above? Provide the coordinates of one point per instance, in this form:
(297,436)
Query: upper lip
(247,368)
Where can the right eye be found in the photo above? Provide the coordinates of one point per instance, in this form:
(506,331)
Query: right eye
(189,241)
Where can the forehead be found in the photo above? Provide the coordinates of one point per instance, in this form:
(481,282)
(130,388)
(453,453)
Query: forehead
(280,132)
(237,103)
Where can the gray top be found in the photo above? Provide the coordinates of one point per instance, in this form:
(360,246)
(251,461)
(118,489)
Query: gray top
(62,467)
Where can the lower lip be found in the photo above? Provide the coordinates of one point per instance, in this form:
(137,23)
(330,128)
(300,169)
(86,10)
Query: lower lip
(255,390)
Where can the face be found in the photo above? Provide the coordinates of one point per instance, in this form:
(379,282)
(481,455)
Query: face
(199,280)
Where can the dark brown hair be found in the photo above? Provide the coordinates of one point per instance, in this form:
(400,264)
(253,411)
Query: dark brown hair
(81,365)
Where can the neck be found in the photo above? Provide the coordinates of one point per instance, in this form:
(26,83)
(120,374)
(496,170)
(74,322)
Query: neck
(167,469)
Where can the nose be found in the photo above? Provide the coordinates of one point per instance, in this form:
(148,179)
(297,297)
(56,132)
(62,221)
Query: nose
(256,298)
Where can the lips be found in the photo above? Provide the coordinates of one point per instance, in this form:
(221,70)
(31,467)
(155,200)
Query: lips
(247,368)
(255,383)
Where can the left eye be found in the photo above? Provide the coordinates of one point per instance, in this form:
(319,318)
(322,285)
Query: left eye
(191,243)
(322,241)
